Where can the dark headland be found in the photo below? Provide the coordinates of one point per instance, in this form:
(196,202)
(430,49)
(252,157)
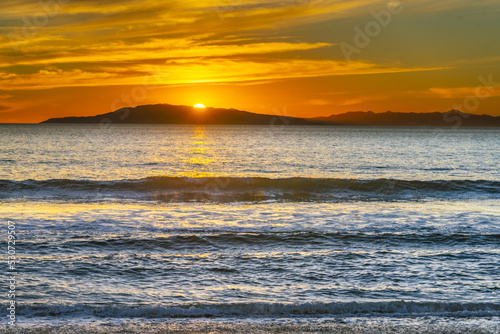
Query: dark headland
(172,114)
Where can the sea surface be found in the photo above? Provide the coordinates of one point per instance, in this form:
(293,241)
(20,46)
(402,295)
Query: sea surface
(251,228)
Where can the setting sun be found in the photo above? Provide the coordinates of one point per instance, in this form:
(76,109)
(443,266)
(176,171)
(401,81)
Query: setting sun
(199,105)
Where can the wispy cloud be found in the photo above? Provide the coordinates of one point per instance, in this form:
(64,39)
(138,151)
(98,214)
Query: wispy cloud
(194,72)
(364,99)
(46,79)
(157,49)
(464,92)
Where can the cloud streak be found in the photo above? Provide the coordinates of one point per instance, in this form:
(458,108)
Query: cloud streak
(465,92)
(194,72)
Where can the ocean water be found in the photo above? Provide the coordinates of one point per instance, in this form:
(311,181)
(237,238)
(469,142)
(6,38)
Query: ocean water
(252,228)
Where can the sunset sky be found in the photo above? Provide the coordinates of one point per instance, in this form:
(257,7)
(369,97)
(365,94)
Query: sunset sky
(296,57)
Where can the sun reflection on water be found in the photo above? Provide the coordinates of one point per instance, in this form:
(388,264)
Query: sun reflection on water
(199,151)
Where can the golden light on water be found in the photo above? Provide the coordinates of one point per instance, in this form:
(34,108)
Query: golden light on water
(198,151)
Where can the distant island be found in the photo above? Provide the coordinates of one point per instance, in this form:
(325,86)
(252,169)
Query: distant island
(451,118)
(172,114)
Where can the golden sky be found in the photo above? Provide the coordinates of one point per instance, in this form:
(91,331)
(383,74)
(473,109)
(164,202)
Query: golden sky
(295,57)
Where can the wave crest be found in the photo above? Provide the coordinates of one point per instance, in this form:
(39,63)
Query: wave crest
(195,310)
(252,189)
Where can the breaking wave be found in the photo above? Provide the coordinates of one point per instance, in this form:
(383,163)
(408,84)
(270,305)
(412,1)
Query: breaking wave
(198,310)
(251,189)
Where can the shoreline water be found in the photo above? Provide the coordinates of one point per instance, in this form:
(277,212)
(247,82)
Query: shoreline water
(383,230)
(349,325)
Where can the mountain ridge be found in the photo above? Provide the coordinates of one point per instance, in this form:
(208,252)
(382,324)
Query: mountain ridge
(451,118)
(179,114)
(172,114)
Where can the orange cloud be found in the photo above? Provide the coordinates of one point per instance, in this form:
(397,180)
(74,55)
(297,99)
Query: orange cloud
(193,71)
(159,49)
(464,92)
(363,99)
(46,79)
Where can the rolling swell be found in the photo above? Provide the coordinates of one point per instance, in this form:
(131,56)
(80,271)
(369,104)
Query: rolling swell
(287,239)
(196,310)
(251,189)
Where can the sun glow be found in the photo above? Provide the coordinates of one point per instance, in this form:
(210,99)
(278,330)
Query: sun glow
(199,105)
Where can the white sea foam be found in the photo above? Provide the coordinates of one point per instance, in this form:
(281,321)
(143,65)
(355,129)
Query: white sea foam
(260,325)
(341,309)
